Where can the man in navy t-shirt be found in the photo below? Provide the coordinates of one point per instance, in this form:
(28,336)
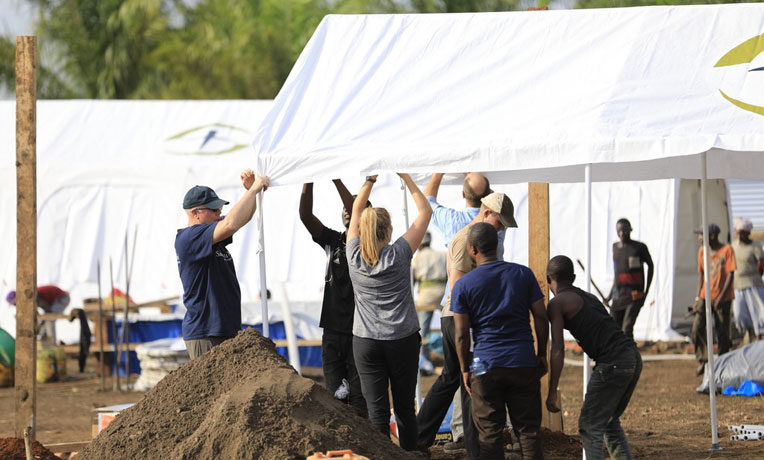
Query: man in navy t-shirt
(211,291)
(494,300)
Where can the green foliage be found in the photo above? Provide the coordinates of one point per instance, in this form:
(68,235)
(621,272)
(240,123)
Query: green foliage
(622,3)
(189,49)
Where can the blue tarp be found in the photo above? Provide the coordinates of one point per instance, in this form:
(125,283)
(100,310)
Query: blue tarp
(147,331)
(747,388)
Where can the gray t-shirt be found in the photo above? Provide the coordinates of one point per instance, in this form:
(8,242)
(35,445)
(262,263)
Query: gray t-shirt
(384,305)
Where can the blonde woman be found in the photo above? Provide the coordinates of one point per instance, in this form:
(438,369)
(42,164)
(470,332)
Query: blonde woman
(385,327)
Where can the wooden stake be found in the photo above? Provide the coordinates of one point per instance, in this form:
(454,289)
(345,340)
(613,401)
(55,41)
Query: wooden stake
(538,257)
(101,329)
(26,236)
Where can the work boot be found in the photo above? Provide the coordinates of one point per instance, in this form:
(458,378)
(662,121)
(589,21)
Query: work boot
(454,448)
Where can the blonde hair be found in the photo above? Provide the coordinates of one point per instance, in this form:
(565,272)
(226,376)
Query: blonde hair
(373,228)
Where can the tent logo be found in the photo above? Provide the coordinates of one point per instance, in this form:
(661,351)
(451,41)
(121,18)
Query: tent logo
(744,53)
(209,139)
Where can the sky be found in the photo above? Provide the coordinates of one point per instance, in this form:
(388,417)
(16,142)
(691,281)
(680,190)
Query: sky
(17,17)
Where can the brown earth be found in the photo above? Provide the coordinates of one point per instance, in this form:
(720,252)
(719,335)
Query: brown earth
(240,400)
(14,449)
(666,419)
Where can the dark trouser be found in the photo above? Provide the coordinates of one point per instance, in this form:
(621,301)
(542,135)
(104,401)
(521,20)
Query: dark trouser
(626,317)
(607,396)
(397,362)
(498,390)
(198,347)
(438,399)
(338,363)
(721,327)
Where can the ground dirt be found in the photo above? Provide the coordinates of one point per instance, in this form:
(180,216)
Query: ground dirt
(666,419)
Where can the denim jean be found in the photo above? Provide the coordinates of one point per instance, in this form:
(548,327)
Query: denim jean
(607,396)
(393,363)
(338,363)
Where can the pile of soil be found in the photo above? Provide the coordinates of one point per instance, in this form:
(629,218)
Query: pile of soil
(239,400)
(13,449)
(557,444)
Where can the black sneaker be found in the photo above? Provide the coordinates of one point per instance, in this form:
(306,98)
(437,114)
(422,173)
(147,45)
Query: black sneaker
(455,447)
(701,369)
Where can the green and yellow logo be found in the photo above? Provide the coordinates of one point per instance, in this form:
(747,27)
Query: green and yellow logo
(744,53)
(210,139)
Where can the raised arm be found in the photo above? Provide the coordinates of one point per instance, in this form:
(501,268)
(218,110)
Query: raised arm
(345,196)
(431,189)
(415,233)
(557,355)
(358,206)
(244,209)
(311,222)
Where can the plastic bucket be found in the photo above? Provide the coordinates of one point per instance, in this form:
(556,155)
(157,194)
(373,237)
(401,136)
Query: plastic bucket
(7,349)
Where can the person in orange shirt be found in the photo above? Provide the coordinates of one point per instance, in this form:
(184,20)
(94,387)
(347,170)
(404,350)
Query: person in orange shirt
(722,268)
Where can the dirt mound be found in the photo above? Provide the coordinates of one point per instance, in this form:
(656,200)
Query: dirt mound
(13,449)
(557,444)
(240,400)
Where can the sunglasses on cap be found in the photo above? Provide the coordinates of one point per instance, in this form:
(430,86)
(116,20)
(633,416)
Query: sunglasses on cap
(206,209)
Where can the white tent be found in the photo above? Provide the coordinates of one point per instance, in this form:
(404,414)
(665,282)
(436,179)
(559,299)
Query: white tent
(135,160)
(557,96)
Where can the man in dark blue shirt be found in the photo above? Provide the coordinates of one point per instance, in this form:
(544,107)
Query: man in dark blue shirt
(494,300)
(211,291)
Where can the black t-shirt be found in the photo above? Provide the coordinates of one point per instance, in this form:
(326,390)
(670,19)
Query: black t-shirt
(629,272)
(596,331)
(338,305)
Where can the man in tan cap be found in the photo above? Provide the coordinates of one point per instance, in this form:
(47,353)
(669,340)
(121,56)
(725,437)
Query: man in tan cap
(748,306)
(497,210)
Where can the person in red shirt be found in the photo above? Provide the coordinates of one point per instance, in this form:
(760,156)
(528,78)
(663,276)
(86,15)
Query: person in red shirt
(722,268)
(51,299)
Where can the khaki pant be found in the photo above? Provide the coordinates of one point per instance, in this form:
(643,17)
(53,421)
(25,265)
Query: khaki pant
(197,347)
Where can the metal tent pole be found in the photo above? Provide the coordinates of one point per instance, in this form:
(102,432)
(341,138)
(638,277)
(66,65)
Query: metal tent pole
(291,337)
(709,316)
(263,285)
(588,246)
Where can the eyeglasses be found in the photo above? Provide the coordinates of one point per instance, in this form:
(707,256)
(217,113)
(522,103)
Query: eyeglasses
(207,209)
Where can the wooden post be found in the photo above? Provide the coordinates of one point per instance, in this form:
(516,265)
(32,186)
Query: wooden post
(538,256)
(26,236)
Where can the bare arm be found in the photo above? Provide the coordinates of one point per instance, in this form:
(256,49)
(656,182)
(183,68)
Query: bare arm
(431,189)
(557,354)
(243,210)
(650,271)
(541,325)
(358,206)
(345,195)
(415,233)
(462,342)
(311,222)
(725,288)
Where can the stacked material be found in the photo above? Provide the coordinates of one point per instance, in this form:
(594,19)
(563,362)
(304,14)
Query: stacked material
(239,400)
(159,358)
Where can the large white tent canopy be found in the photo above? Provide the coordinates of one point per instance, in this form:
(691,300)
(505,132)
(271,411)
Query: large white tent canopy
(529,96)
(612,94)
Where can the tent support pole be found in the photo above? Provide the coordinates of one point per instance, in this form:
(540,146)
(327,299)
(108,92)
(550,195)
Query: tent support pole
(286,312)
(588,249)
(263,285)
(709,315)
(404,197)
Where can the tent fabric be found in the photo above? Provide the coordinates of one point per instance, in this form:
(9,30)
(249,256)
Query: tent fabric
(733,368)
(525,96)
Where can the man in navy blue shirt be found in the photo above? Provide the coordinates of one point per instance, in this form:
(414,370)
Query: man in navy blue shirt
(211,291)
(494,300)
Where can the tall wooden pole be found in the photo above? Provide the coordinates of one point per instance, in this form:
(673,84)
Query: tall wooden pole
(26,236)
(538,256)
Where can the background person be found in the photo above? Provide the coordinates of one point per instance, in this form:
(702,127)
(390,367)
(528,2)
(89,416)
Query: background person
(722,268)
(386,336)
(338,305)
(50,299)
(429,271)
(629,288)
(748,306)
(618,363)
(211,291)
(495,299)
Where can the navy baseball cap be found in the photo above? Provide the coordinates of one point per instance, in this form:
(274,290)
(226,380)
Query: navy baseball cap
(199,195)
